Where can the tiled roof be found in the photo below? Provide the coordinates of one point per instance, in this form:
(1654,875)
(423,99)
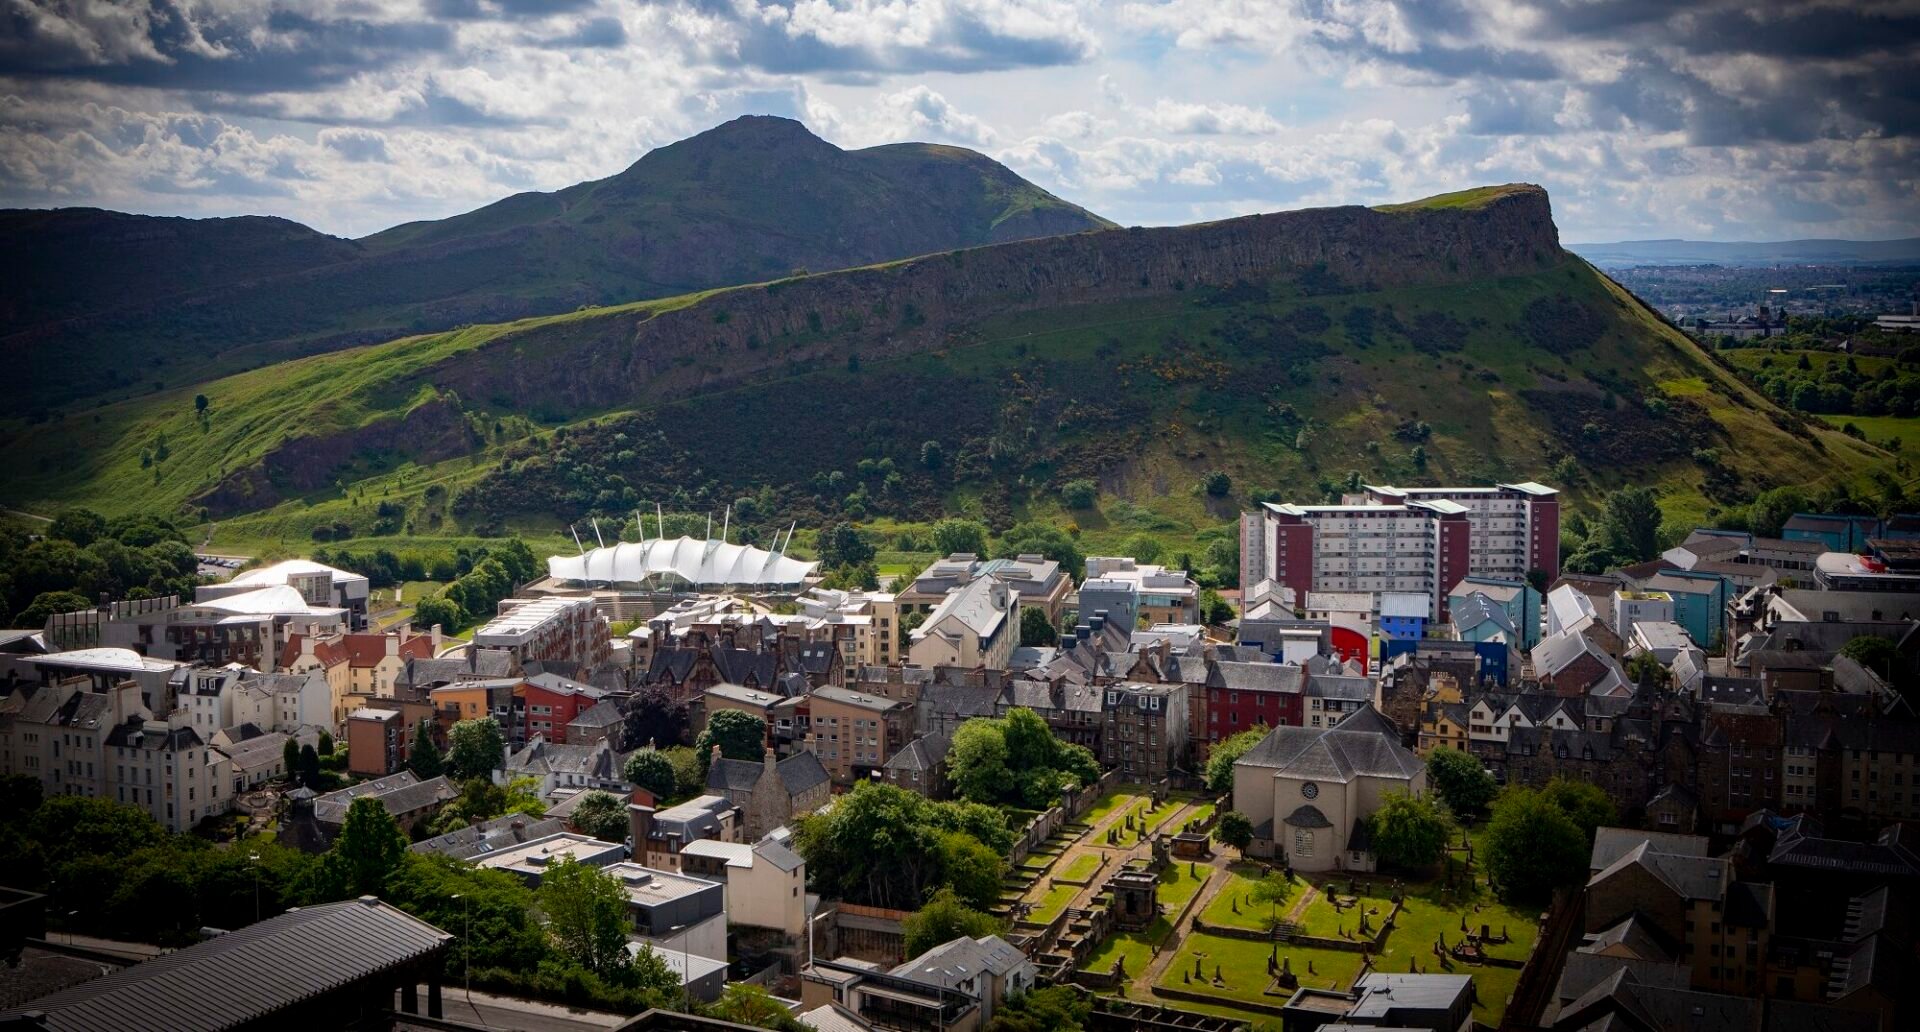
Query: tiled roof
(400,793)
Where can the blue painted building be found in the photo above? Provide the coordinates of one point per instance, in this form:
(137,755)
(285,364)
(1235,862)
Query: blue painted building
(1839,533)
(1520,600)
(1403,615)
(1497,660)
(1699,602)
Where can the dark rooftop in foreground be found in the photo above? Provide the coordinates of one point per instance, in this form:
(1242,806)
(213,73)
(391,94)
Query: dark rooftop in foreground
(244,977)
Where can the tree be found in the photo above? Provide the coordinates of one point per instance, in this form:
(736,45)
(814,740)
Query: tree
(290,758)
(326,743)
(586,911)
(476,747)
(1034,537)
(1217,484)
(1057,1008)
(603,816)
(651,770)
(740,736)
(1418,456)
(931,454)
(842,544)
(977,761)
(1461,781)
(879,845)
(745,1003)
(972,870)
(654,717)
(309,766)
(497,906)
(1630,523)
(81,526)
(1768,514)
(49,603)
(944,919)
(1144,548)
(1234,829)
(1409,831)
(1222,757)
(423,754)
(438,610)
(1584,803)
(1035,629)
(199,403)
(1879,655)
(688,778)
(1215,611)
(369,848)
(951,536)
(1532,847)
(1080,494)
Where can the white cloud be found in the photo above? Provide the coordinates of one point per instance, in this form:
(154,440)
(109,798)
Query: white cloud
(1699,117)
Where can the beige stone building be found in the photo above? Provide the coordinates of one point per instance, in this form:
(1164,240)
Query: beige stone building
(1309,791)
(854,734)
(977,625)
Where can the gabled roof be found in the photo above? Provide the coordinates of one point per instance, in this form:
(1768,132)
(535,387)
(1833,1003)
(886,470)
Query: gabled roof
(1365,743)
(245,976)
(400,793)
(962,960)
(487,836)
(926,752)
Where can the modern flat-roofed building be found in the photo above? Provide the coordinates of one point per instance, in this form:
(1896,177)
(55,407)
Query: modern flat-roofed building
(855,733)
(530,859)
(1416,539)
(1040,581)
(1138,594)
(552,630)
(319,584)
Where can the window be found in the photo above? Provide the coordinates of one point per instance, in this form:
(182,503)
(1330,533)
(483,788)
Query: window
(1302,842)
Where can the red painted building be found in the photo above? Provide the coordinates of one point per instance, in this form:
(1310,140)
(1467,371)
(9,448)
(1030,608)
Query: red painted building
(552,702)
(1244,695)
(1413,540)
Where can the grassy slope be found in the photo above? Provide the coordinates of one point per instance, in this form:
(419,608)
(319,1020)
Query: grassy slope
(1484,428)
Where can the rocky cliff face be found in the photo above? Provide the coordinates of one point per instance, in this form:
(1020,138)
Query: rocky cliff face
(730,337)
(744,335)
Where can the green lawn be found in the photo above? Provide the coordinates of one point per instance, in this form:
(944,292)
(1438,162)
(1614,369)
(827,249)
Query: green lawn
(1125,795)
(1243,966)
(1177,886)
(1252,915)
(1323,920)
(1050,905)
(1080,870)
(1199,813)
(1880,429)
(1134,948)
(1155,818)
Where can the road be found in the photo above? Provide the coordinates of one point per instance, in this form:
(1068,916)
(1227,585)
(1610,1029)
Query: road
(509,1012)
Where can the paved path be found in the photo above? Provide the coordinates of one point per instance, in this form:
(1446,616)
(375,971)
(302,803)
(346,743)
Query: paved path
(1217,881)
(510,1012)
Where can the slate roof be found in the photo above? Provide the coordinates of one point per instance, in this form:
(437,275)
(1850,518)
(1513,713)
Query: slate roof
(777,854)
(1477,609)
(245,976)
(797,773)
(1257,677)
(487,836)
(1345,689)
(961,960)
(1365,743)
(1690,877)
(1657,1007)
(926,752)
(400,793)
(598,761)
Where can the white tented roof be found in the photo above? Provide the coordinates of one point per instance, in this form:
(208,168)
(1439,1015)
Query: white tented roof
(279,573)
(700,563)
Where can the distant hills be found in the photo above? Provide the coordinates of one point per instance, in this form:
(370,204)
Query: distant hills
(96,302)
(1782,252)
(1449,340)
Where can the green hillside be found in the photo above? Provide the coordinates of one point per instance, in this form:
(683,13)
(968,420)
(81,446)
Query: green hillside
(108,304)
(1143,362)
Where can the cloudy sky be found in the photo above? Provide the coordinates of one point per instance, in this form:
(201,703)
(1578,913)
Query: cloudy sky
(1645,118)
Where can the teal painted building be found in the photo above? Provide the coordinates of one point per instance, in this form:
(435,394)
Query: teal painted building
(1517,599)
(1699,603)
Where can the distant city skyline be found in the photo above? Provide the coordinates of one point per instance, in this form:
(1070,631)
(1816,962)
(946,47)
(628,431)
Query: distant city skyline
(1645,120)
